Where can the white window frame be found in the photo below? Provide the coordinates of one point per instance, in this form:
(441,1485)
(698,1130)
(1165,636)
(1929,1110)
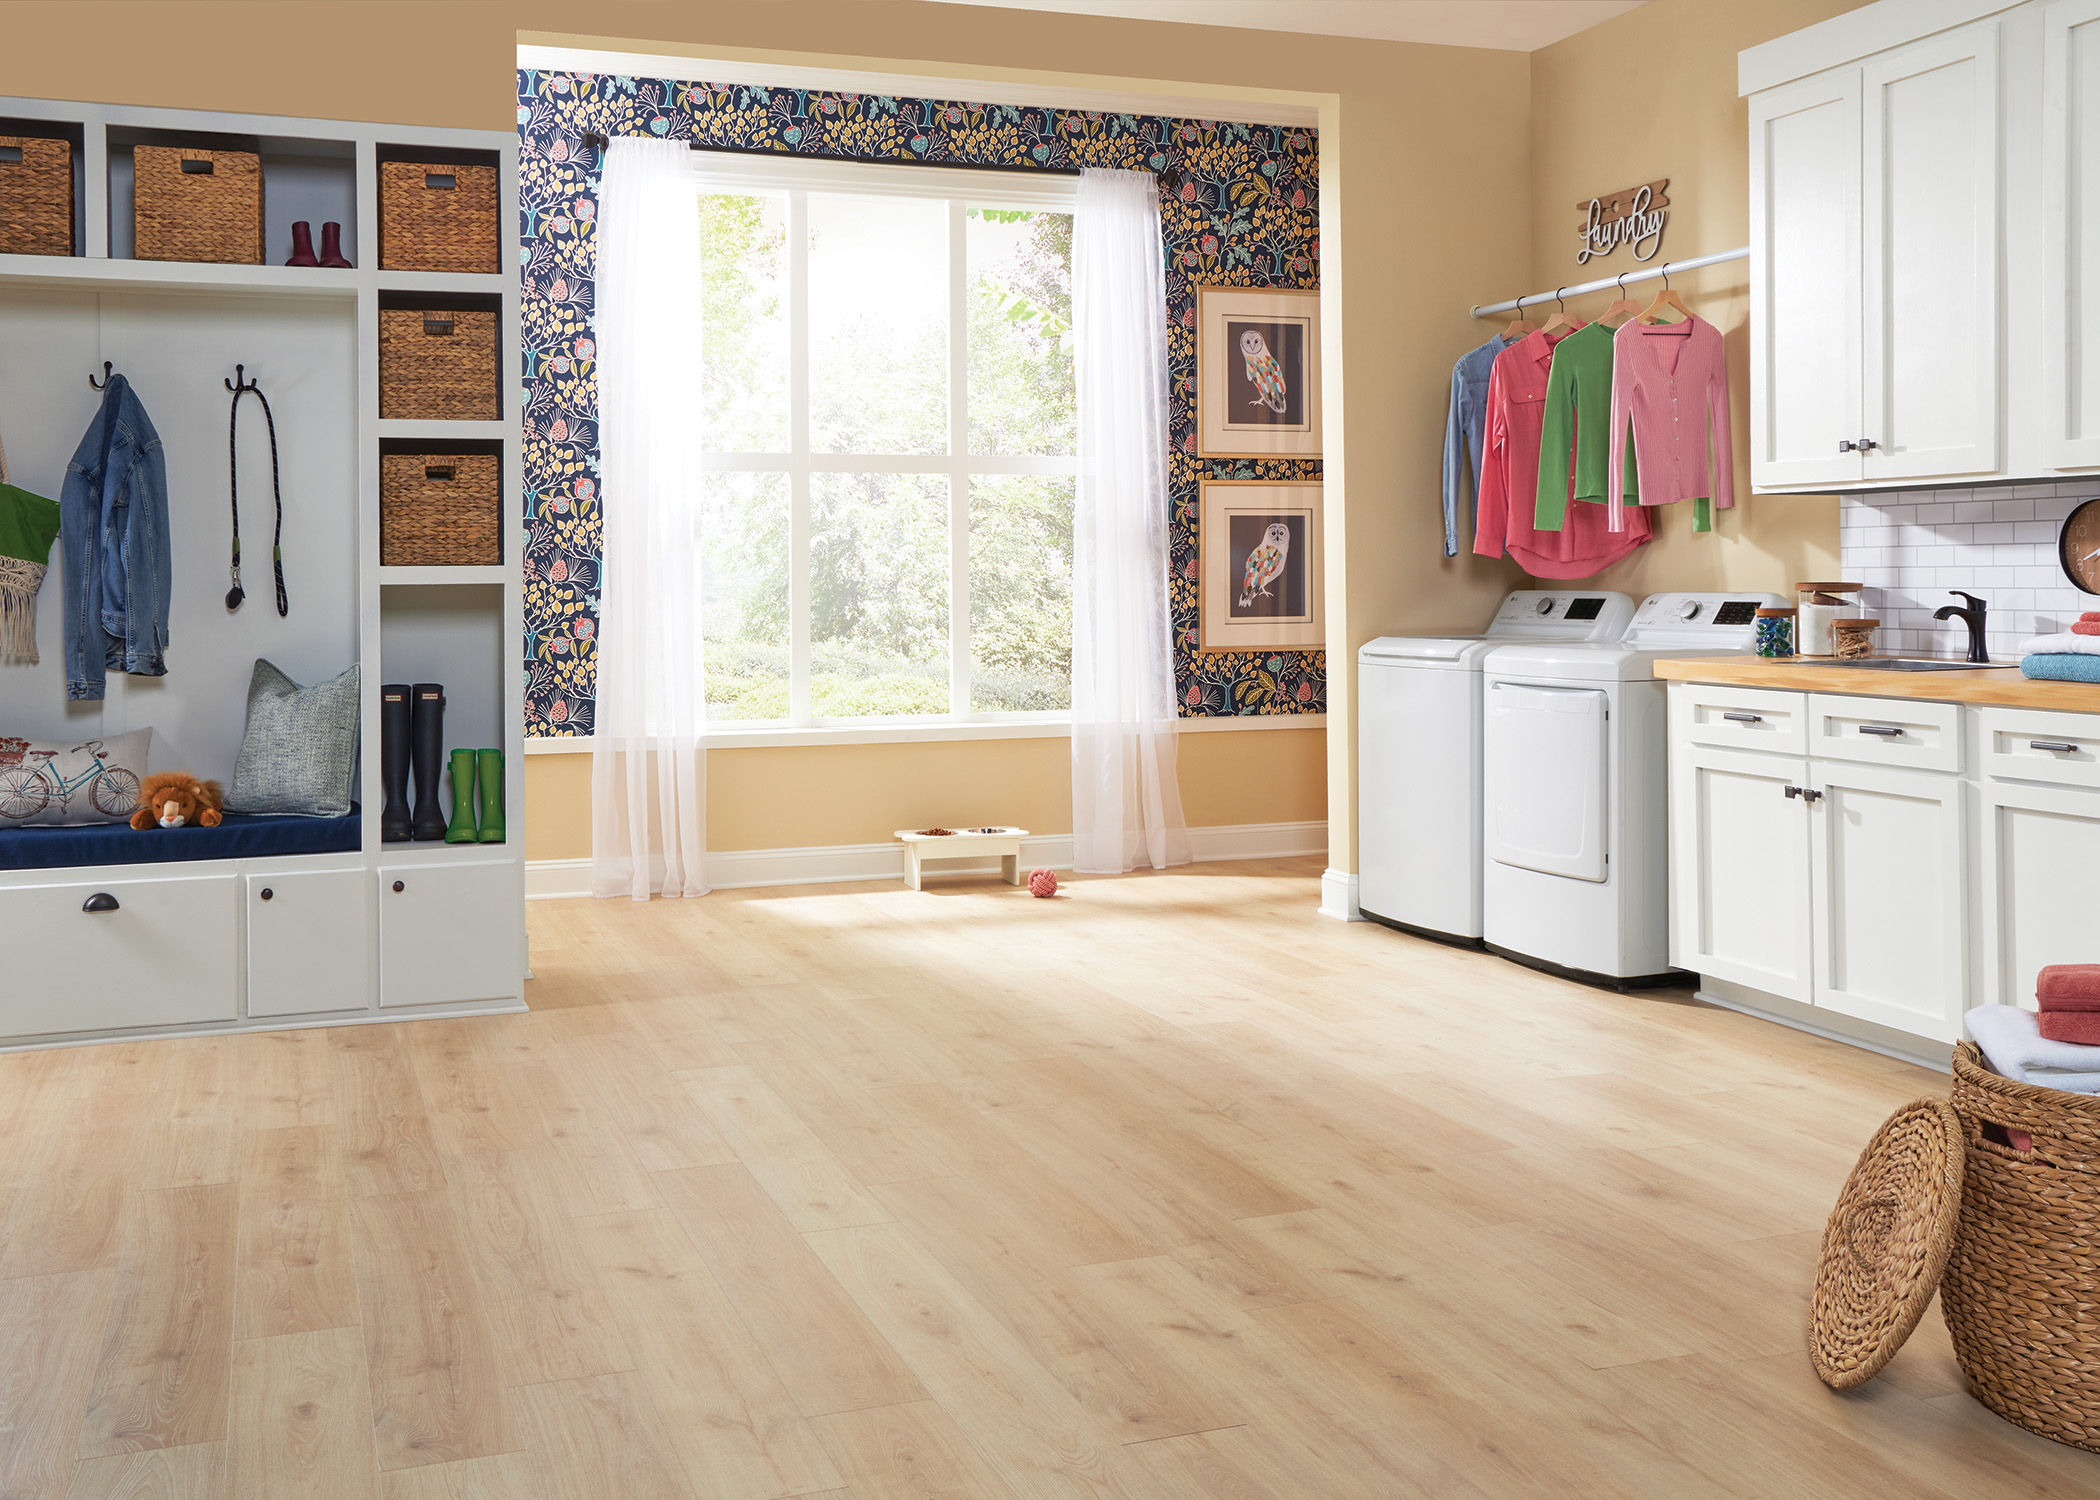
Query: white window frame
(961,188)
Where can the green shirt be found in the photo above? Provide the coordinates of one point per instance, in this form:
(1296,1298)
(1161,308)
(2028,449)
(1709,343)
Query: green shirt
(27,525)
(1578,417)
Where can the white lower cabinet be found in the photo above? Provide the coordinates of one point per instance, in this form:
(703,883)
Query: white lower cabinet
(308,943)
(1739,858)
(2039,850)
(450,932)
(95,955)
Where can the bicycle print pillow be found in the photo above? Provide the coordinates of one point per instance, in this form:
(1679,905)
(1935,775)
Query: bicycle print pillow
(70,782)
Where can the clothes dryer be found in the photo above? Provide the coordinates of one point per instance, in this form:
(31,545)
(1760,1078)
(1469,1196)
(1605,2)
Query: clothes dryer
(1418,757)
(1576,797)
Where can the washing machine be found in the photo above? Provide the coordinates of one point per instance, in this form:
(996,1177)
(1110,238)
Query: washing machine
(1575,800)
(1418,757)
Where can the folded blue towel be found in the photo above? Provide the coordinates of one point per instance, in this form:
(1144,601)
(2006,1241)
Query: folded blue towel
(2061,666)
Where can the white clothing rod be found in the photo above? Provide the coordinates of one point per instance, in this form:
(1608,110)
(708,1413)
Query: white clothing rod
(1646,273)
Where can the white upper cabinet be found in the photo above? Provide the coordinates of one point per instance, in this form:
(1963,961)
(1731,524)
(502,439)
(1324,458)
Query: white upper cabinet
(2070,314)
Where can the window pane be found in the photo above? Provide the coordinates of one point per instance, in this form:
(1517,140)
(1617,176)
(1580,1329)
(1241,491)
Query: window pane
(744,594)
(1021,393)
(878,325)
(1020,592)
(743,258)
(878,622)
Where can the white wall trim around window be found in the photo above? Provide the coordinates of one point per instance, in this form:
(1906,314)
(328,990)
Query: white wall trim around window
(758,736)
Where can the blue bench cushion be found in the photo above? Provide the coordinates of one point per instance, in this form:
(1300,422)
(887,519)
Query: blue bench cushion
(241,836)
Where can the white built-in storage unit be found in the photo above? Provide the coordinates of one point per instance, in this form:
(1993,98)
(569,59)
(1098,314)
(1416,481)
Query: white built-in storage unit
(386,931)
(1925,246)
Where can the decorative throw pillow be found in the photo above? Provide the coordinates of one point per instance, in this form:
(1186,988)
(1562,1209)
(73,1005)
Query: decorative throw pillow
(299,747)
(71,782)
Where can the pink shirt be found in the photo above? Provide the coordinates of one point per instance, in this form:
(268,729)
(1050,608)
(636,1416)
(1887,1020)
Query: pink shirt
(1507,489)
(1670,381)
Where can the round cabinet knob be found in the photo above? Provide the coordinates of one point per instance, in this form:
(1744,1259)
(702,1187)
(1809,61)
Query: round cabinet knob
(398,886)
(1689,610)
(1545,606)
(267,893)
(101,901)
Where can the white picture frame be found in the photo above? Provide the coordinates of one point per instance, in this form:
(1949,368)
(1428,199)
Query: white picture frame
(1257,372)
(1242,610)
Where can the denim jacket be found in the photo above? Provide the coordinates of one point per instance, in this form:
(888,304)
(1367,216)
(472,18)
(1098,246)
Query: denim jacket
(113,529)
(1464,428)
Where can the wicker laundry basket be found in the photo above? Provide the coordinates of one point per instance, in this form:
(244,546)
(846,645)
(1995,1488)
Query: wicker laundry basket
(2021,1292)
(194,204)
(438,365)
(438,216)
(36,196)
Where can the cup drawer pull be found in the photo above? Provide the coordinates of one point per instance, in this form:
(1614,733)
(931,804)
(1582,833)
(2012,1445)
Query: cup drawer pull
(101,901)
(1886,731)
(1744,718)
(2059,747)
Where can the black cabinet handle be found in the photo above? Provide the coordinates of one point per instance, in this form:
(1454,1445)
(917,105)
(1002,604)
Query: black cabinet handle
(1792,792)
(101,901)
(2059,746)
(1867,445)
(1810,794)
(1886,731)
(398,886)
(267,893)
(1744,718)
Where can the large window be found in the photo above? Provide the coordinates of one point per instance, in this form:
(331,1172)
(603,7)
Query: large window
(890,442)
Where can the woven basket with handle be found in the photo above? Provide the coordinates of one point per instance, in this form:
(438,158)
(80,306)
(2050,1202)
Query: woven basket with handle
(438,365)
(36,196)
(439,510)
(194,204)
(2021,1292)
(435,216)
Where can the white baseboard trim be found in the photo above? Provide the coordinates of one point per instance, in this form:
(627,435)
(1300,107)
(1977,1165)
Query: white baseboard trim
(1338,896)
(1826,1024)
(834,864)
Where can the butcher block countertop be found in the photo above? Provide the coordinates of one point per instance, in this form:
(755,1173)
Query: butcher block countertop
(2001,687)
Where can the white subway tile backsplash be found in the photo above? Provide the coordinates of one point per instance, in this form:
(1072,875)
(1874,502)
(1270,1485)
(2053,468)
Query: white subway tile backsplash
(2012,510)
(2034,531)
(1982,510)
(1998,531)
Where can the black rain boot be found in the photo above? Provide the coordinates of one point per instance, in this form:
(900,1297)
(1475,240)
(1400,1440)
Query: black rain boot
(429,743)
(394,719)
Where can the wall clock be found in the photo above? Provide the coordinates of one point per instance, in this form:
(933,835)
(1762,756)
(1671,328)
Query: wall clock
(2078,546)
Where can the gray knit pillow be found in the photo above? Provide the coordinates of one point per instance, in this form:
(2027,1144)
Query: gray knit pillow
(299,747)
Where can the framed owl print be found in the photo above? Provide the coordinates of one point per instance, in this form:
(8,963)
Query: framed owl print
(1263,575)
(1257,372)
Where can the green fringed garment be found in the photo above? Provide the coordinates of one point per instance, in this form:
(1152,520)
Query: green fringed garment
(28,523)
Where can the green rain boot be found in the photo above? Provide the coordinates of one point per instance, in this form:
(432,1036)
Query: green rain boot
(462,830)
(489,795)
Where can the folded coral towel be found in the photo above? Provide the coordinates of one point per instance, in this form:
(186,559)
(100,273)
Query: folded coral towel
(2086,627)
(2064,666)
(2079,1026)
(2011,1038)
(2068,987)
(2061,641)
(2091,616)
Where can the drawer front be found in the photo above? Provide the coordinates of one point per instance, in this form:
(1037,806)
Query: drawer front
(307,949)
(451,933)
(2024,744)
(1736,718)
(1885,731)
(166,954)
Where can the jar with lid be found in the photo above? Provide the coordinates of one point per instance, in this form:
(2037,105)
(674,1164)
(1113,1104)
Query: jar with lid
(1775,632)
(1822,605)
(1851,639)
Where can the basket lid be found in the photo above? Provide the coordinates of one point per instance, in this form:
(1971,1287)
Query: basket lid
(1886,1243)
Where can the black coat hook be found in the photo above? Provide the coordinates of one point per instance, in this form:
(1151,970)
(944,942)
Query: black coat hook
(240,382)
(103,383)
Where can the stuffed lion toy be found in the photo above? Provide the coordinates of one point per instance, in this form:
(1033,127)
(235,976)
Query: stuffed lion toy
(176,799)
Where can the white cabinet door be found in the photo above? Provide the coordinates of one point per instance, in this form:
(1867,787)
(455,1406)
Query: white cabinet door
(2070,315)
(308,945)
(1739,868)
(450,932)
(2040,866)
(1805,257)
(100,954)
(1889,916)
(1933,367)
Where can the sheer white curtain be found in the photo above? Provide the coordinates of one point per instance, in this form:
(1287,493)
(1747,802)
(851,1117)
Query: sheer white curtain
(1126,803)
(648,766)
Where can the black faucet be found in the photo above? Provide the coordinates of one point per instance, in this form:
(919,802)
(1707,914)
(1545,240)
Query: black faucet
(1973,617)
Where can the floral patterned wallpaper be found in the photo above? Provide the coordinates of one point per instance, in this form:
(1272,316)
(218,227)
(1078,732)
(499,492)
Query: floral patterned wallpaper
(1245,213)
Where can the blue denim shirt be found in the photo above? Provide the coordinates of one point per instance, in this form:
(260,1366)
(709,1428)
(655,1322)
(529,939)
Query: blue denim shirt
(113,529)
(1466,428)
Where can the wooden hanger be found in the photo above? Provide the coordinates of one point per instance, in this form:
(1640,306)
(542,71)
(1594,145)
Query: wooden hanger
(1519,326)
(1620,311)
(1559,318)
(1666,298)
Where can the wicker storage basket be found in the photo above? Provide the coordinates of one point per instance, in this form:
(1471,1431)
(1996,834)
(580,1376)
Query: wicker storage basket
(434,217)
(440,510)
(2022,1287)
(437,365)
(36,196)
(192,204)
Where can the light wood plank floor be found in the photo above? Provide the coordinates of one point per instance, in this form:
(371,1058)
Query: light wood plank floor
(1167,1188)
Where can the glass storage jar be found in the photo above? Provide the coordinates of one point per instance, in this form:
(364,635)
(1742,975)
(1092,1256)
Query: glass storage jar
(1822,605)
(1851,639)
(1775,632)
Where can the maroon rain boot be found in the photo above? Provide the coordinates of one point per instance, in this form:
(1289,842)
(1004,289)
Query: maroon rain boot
(332,246)
(302,245)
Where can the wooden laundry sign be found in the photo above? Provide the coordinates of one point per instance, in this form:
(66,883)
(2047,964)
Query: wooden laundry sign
(1632,216)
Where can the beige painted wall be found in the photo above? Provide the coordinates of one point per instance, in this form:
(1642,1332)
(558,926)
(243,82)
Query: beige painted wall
(1422,207)
(1604,117)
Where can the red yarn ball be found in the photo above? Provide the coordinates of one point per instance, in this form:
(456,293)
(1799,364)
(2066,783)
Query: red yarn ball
(1042,882)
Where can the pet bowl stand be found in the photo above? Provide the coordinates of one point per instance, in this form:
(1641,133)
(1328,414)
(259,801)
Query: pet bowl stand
(920,847)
